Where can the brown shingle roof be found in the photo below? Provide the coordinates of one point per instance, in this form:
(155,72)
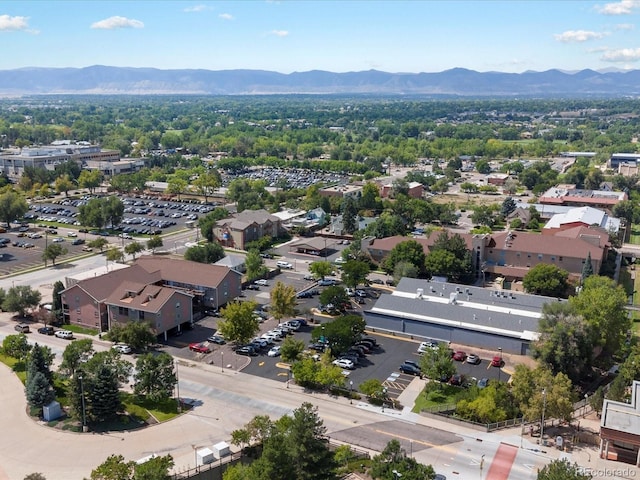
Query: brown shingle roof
(185,271)
(546,244)
(150,299)
(387,244)
(103,286)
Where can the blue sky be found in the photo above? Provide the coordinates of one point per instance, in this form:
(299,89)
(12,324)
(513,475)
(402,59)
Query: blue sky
(338,36)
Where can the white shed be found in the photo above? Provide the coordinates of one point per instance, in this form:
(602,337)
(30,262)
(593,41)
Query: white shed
(221,449)
(204,456)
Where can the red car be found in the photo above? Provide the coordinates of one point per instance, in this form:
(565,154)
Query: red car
(497,361)
(459,356)
(199,347)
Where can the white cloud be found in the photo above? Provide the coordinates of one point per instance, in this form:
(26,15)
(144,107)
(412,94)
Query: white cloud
(623,7)
(625,26)
(622,55)
(13,23)
(571,36)
(279,33)
(597,49)
(226,16)
(113,23)
(197,8)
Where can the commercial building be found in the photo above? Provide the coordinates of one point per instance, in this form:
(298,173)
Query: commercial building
(246,227)
(574,197)
(620,429)
(489,319)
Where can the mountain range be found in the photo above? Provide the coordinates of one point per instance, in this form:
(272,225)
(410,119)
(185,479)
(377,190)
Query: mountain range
(105,80)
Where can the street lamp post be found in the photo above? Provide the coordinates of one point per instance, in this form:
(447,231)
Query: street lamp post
(178,389)
(584,408)
(351,391)
(500,367)
(84,415)
(384,396)
(222,360)
(544,407)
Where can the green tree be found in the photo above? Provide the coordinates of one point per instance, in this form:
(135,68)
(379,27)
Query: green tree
(38,390)
(98,243)
(407,251)
(90,179)
(562,469)
(393,458)
(565,343)
(114,254)
(156,468)
(113,468)
(16,346)
(40,360)
(292,349)
(133,249)
(494,403)
(508,207)
(254,265)
(54,251)
(335,295)
(177,186)
(308,449)
(74,353)
(404,269)
(372,388)
(349,215)
(21,298)
(138,335)
(206,184)
(35,476)
(340,333)
(320,269)
(154,242)
(602,304)
(546,279)
(283,301)
(110,358)
(535,389)
(436,363)
(587,269)
(207,253)
(354,273)
(103,394)
(483,215)
(155,376)
(12,206)
(92,214)
(207,222)
(239,323)
(112,210)
(64,184)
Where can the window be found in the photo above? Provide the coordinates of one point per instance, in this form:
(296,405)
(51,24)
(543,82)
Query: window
(141,315)
(518,254)
(539,256)
(77,310)
(123,311)
(528,255)
(559,259)
(553,259)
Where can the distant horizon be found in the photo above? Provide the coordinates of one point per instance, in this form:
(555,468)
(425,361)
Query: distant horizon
(399,36)
(568,72)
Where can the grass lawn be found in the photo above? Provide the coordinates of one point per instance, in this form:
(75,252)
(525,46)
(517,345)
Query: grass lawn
(635,235)
(80,329)
(435,395)
(144,408)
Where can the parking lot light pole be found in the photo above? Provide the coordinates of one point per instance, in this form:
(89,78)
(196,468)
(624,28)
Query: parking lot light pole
(500,366)
(351,392)
(222,360)
(84,415)
(544,407)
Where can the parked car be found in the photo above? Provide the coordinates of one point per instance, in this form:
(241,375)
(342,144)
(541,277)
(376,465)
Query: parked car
(217,339)
(456,379)
(247,350)
(410,369)
(262,282)
(344,363)
(274,352)
(199,348)
(483,382)
(66,334)
(122,348)
(72,234)
(411,362)
(459,356)
(22,328)
(497,361)
(251,286)
(326,282)
(473,359)
(58,240)
(48,330)
(77,241)
(308,276)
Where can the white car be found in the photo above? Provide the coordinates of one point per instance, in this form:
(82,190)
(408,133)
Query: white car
(122,348)
(274,352)
(267,338)
(262,282)
(58,240)
(344,363)
(72,234)
(66,334)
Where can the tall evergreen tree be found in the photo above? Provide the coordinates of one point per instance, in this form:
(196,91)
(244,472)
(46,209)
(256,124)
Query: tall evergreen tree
(40,360)
(104,397)
(38,390)
(349,214)
(587,269)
